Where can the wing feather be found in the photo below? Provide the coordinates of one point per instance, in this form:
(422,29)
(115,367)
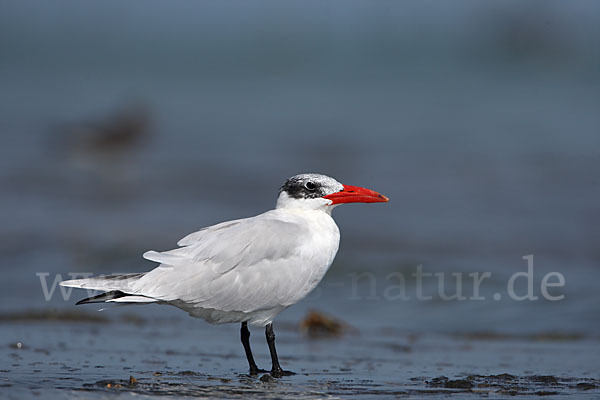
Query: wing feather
(225,266)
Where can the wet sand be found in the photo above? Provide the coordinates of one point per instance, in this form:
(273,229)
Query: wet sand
(126,353)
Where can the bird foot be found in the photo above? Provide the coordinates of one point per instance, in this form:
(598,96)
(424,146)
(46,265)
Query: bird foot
(278,373)
(256,371)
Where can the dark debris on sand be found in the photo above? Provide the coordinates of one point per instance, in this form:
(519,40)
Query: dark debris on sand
(189,383)
(51,316)
(319,325)
(507,384)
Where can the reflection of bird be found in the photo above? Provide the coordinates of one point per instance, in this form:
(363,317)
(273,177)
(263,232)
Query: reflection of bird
(246,270)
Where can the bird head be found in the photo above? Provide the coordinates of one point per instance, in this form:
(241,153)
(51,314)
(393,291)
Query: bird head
(319,191)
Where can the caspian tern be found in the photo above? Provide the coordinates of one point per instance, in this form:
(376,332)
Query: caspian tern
(246,270)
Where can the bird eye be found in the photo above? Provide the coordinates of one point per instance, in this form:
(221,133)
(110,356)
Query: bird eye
(310,186)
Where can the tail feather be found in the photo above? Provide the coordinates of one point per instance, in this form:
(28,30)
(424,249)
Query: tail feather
(104,297)
(117,289)
(105,282)
(116,296)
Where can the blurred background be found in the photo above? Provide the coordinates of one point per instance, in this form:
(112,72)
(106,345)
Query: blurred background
(126,126)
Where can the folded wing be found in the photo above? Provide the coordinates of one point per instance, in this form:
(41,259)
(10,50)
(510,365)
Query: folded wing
(224,266)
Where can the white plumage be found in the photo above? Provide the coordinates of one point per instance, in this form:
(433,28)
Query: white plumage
(246,270)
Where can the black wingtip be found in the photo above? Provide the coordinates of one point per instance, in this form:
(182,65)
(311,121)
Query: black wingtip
(101,298)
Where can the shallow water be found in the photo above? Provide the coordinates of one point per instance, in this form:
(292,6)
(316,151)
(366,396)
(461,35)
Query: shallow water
(173,355)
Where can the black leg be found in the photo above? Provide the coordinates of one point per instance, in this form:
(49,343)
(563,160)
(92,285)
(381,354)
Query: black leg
(245,334)
(276,370)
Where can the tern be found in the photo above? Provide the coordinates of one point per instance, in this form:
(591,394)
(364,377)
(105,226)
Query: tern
(247,270)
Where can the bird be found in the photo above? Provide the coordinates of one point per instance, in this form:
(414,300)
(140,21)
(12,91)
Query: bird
(247,270)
